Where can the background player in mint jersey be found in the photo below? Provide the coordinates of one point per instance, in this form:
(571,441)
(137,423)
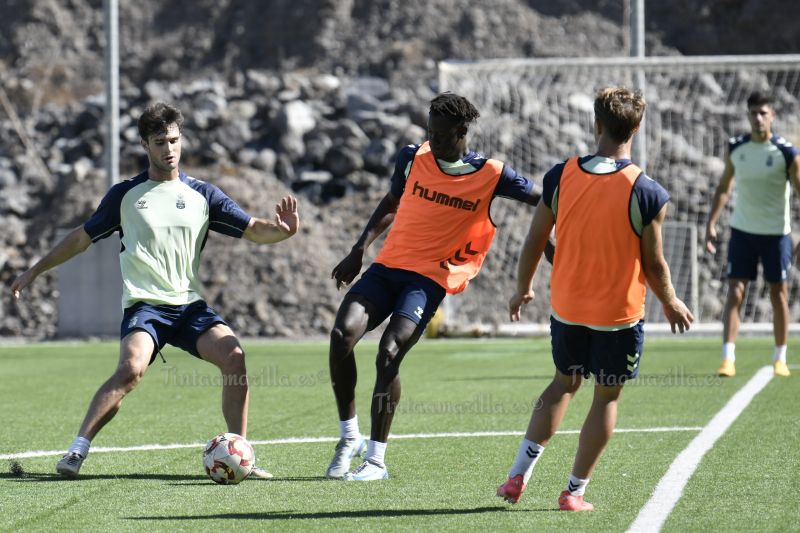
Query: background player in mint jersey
(163,217)
(608,216)
(762,164)
(438,207)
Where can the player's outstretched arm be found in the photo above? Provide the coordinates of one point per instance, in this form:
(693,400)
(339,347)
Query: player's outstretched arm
(657,273)
(383,216)
(535,243)
(284,225)
(794,177)
(75,242)
(721,195)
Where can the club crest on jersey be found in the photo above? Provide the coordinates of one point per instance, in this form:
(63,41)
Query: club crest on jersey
(444,199)
(141,204)
(769,161)
(180,203)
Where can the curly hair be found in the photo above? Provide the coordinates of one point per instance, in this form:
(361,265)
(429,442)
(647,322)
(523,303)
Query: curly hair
(454,106)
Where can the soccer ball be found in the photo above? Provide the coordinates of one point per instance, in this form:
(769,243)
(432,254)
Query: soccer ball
(228,458)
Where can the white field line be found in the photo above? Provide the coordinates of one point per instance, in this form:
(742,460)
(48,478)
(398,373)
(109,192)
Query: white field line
(669,489)
(308,440)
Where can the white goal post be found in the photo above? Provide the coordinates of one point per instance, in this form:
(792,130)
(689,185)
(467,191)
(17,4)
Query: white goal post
(537,112)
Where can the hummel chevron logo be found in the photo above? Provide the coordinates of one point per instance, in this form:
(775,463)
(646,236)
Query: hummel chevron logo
(458,258)
(633,362)
(530,452)
(572,487)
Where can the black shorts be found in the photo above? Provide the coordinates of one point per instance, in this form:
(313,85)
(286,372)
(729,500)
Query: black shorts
(178,325)
(612,356)
(406,293)
(746,249)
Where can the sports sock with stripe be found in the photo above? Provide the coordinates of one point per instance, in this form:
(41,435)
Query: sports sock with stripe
(576,486)
(527,455)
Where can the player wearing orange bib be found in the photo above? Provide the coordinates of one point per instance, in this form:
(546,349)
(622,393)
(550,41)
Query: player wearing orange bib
(608,216)
(438,207)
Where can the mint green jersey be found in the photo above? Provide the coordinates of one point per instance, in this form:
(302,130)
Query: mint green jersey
(761,171)
(163,227)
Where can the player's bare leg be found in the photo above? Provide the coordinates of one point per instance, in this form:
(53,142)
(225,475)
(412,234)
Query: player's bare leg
(136,349)
(220,346)
(352,322)
(551,407)
(730,325)
(546,417)
(597,430)
(400,336)
(354,319)
(733,305)
(779,296)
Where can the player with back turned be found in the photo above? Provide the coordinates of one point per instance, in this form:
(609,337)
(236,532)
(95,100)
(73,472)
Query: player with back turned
(608,215)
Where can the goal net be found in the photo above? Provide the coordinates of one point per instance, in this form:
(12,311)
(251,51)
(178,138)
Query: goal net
(537,112)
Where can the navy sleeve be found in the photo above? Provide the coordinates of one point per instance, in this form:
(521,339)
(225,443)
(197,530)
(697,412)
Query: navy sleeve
(651,197)
(550,183)
(788,150)
(404,157)
(224,215)
(106,219)
(517,187)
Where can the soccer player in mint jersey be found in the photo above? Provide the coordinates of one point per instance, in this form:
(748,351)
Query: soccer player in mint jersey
(763,165)
(608,216)
(438,207)
(163,217)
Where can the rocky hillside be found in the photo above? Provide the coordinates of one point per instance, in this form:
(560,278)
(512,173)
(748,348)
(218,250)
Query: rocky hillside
(312,97)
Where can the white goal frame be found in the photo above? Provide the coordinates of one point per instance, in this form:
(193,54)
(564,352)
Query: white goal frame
(694,105)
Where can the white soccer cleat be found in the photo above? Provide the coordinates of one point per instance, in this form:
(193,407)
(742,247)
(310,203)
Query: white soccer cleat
(259,473)
(346,451)
(368,471)
(70,465)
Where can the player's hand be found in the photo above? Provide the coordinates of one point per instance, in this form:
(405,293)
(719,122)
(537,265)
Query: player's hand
(678,315)
(348,268)
(286,216)
(711,239)
(24,279)
(516,302)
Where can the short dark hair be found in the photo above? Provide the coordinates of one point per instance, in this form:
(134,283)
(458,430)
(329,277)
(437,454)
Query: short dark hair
(619,110)
(757,99)
(454,106)
(157,117)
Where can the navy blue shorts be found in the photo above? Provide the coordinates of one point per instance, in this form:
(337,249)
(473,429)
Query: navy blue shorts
(612,356)
(393,290)
(178,325)
(745,250)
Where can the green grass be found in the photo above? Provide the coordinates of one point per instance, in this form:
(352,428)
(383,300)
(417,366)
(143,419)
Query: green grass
(747,482)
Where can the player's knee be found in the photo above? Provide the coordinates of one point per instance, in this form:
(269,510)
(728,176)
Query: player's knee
(128,375)
(234,361)
(387,364)
(342,341)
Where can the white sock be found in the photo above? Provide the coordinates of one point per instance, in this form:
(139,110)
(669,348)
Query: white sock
(80,445)
(527,455)
(348,429)
(780,354)
(376,451)
(577,486)
(729,351)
